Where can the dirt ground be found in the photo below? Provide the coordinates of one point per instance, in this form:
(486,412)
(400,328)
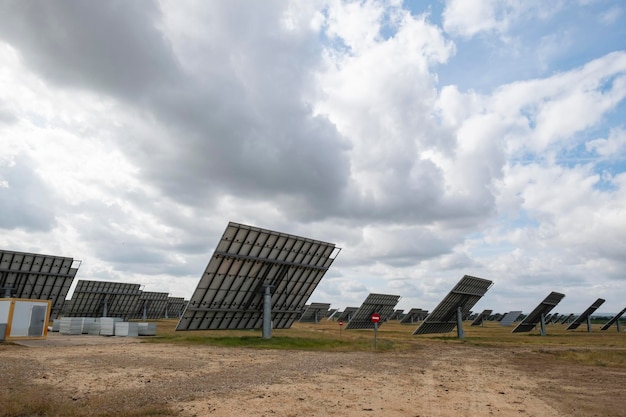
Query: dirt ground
(434,380)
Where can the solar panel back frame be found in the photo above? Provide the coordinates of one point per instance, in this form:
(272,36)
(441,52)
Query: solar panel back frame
(382,304)
(230,292)
(531,321)
(37,276)
(465,294)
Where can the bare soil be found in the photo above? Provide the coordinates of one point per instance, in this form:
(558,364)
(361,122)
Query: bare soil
(433,380)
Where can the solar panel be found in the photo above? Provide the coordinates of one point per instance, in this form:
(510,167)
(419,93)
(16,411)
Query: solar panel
(397,315)
(567,319)
(175,307)
(103,299)
(314,312)
(459,301)
(383,304)
(414,315)
(585,315)
(36,276)
(151,305)
(347,313)
(247,261)
(478,321)
(555,318)
(537,316)
(331,312)
(510,318)
(614,320)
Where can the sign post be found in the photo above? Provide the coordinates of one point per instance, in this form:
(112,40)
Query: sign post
(375,317)
(340,326)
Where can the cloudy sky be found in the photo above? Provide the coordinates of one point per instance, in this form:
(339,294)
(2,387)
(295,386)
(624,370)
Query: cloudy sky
(427,139)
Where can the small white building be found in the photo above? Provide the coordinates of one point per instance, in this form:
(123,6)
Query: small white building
(22,318)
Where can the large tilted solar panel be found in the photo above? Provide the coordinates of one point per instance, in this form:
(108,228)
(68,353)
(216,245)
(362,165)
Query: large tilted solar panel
(510,318)
(613,320)
(414,315)
(478,320)
(383,304)
(103,299)
(154,304)
(534,318)
(588,312)
(314,312)
(465,294)
(347,313)
(247,259)
(36,276)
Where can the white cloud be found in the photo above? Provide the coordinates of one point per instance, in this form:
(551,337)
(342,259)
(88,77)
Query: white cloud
(468,18)
(611,147)
(612,15)
(322,119)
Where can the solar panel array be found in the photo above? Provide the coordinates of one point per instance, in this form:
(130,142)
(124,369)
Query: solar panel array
(613,320)
(414,315)
(103,299)
(555,318)
(330,313)
(314,312)
(37,276)
(510,318)
(382,304)
(464,295)
(583,317)
(347,313)
(478,320)
(534,318)
(151,305)
(175,306)
(230,294)
(397,315)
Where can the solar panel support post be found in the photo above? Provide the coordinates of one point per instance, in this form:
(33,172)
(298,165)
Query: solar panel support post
(619,326)
(375,333)
(104,309)
(267,312)
(144,314)
(459,323)
(589,323)
(543,324)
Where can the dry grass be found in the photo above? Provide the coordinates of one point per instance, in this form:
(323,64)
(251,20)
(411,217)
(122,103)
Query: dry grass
(578,346)
(19,397)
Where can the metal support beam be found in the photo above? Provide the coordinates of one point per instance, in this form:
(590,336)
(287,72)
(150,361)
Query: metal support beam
(589,323)
(459,323)
(267,313)
(543,324)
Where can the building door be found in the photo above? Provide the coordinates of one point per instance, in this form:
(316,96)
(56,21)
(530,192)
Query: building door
(37,320)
